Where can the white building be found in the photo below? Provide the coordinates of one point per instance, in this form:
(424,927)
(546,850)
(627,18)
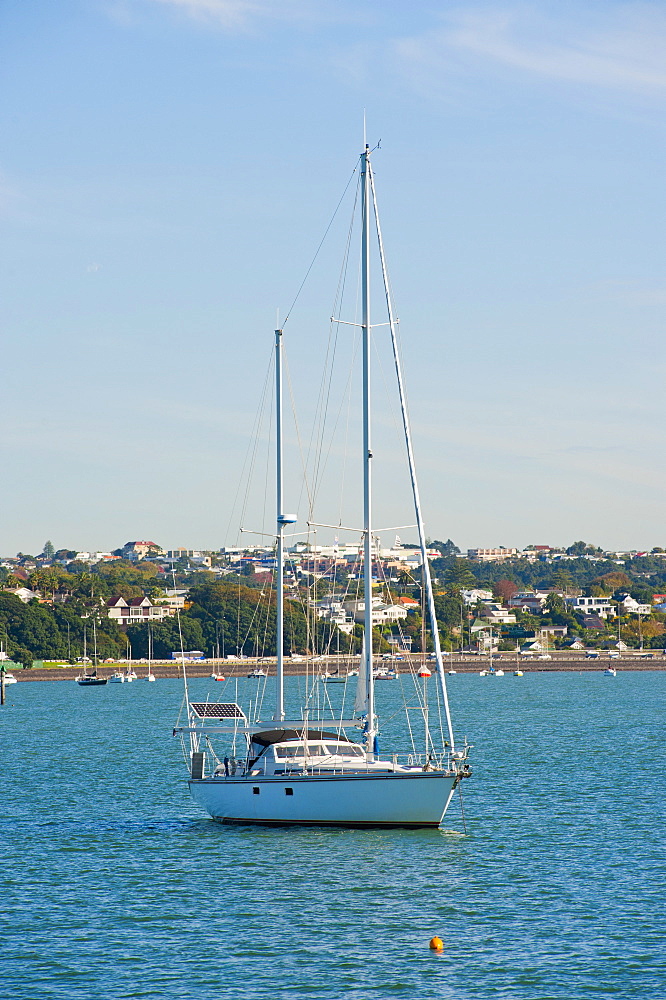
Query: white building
(331,609)
(632,607)
(528,601)
(600,606)
(380,612)
(25,594)
(136,610)
(496,613)
(474,596)
(492,555)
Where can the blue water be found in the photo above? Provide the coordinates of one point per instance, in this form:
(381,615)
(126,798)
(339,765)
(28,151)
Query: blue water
(114,885)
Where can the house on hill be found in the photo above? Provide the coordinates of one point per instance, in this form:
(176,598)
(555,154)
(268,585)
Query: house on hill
(136,610)
(135,551)
(601,607)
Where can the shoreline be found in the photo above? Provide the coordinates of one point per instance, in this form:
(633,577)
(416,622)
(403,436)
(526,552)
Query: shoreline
(239,669)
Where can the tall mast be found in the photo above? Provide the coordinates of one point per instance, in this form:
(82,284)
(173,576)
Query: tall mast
(367,453)
(279,698)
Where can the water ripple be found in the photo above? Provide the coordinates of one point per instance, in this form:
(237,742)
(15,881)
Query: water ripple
(115,886)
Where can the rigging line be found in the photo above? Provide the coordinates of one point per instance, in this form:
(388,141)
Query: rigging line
(439,717)
(324,456)
(325,393)
(312,263)
(412,472)
(267,472)
(249,464)
(304,482)
(251,453)
(310,456)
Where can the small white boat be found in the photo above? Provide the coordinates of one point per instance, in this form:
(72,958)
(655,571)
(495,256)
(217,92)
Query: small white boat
(117,678)
(257,672)
(483,673)
(451,672)
(150,676)
(130,676)
(9,678)
(517,673)
(384,674)
(497,673)
(610,672)
(217,677)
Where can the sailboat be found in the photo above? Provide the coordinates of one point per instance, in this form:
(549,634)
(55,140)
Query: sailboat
(308,770)
(150,676)
(85,679)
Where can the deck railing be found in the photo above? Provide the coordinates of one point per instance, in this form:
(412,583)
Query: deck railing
(237,768)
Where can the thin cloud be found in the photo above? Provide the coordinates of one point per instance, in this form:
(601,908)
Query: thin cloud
(620,46)
(238,14)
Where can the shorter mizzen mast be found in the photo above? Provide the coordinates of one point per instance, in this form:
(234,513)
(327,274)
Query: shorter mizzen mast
(282,519)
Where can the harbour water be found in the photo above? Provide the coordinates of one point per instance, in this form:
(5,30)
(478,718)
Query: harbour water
(113,885)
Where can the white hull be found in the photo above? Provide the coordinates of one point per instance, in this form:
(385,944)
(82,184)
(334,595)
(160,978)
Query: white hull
(361,800)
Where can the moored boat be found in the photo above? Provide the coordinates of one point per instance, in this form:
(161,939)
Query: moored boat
(91,680)
(306,769)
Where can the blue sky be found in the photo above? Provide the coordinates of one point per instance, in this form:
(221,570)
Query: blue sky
(167,168)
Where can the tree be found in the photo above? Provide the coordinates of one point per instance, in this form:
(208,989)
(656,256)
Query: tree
(65,555)
(504,589)
(555,604)
(583,549)
(48,551)
(447,548)
(459,575)
(613,581)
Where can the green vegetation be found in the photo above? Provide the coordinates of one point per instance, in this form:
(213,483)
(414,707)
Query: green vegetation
(234,616)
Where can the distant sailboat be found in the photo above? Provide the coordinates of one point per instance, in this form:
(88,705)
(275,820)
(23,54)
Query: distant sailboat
(150,676)
(85,679)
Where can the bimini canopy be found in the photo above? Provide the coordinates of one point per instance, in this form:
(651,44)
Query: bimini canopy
(271,736)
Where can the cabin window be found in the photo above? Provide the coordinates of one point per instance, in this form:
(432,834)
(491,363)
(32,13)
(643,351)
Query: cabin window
(289,791)
(345,750)
(255,790)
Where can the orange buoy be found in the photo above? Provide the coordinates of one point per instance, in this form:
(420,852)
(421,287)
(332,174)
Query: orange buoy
(436,944)
(424,672)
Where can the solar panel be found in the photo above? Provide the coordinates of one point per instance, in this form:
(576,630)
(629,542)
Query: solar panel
(217,710)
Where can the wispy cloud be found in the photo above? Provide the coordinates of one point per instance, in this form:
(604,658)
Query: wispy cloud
(617,45)
(239,14)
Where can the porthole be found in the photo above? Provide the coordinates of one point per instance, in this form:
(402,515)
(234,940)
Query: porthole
(255,790)
(289,791)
